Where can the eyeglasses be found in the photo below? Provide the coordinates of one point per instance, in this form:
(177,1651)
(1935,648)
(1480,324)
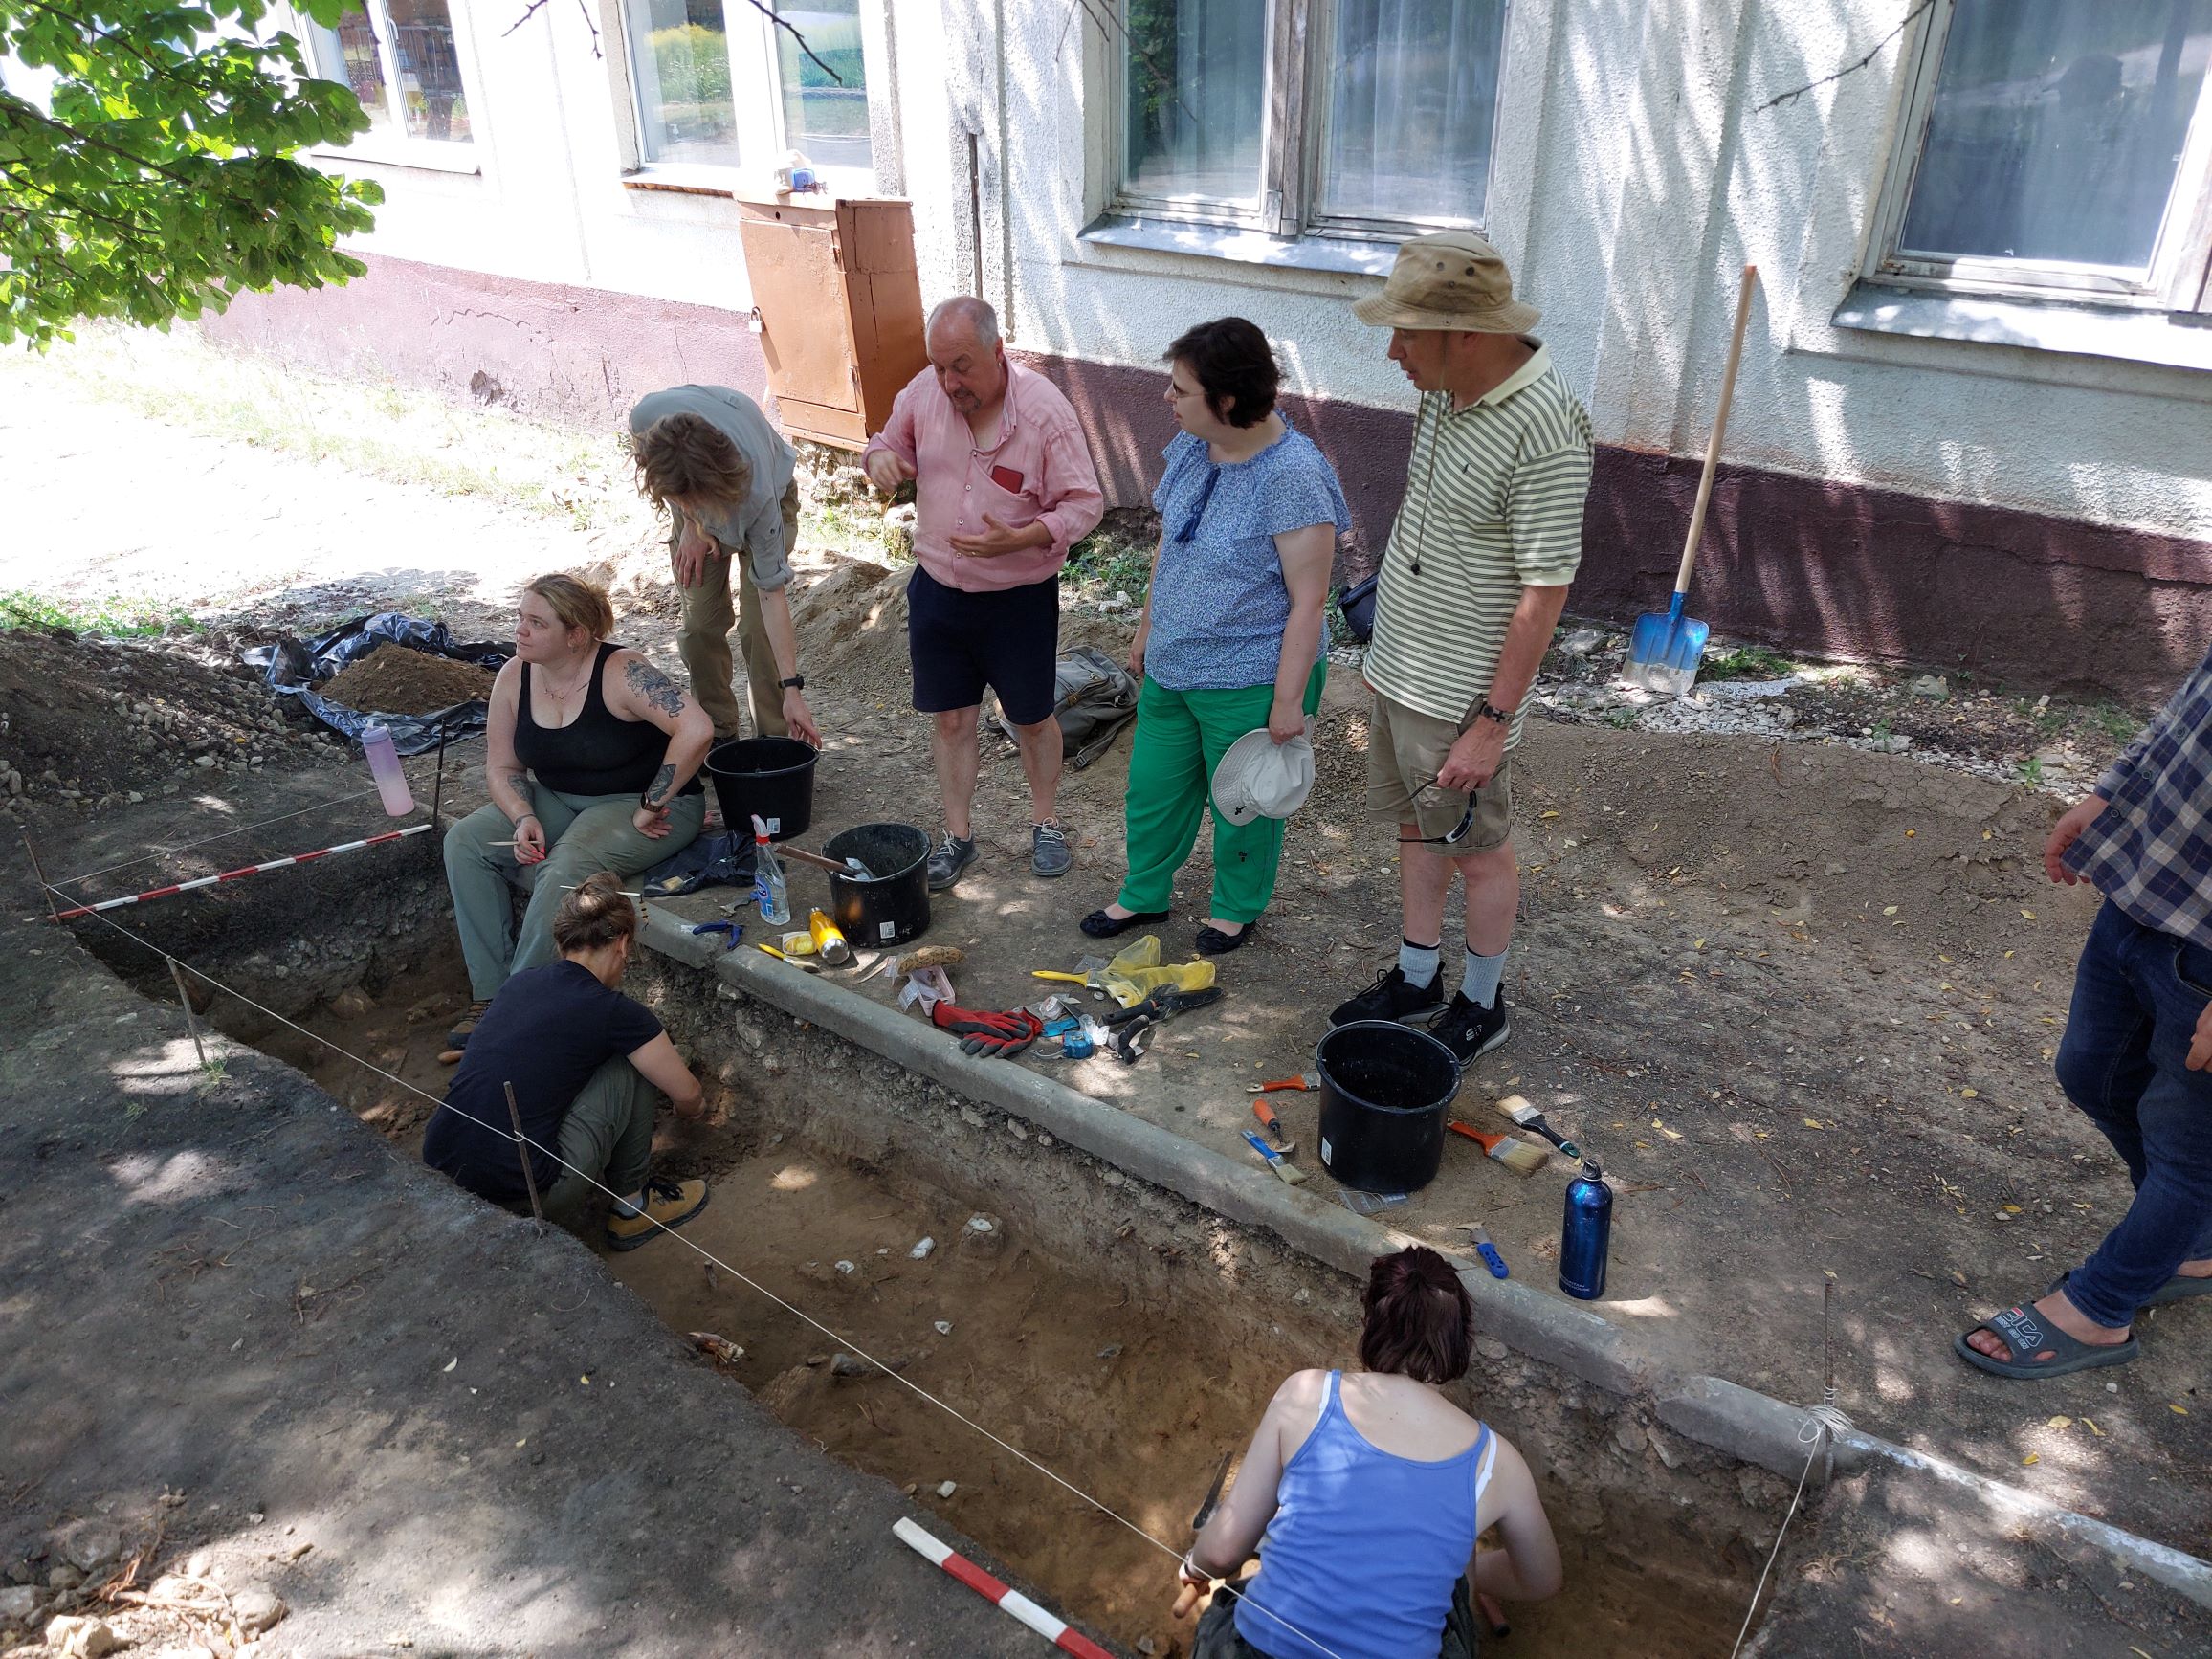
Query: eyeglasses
(1457,836)
(1205,494)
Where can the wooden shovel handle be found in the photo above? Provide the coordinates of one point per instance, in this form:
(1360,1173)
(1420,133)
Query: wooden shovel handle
(1719,425)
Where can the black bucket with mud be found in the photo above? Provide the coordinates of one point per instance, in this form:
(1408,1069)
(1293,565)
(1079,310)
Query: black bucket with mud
(1117,1333)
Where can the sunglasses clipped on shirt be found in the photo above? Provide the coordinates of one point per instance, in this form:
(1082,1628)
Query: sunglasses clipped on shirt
(1457,836)
(1190,525)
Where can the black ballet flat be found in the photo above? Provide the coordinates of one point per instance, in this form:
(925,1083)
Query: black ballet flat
(1212,942)
(1099,925)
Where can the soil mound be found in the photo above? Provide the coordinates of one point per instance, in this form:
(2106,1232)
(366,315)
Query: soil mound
(394,681)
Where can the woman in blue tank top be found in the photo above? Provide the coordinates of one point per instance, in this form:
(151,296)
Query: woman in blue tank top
(1363,1493)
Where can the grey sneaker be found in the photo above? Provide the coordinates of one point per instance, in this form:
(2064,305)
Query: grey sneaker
(952,856)
(1049,854)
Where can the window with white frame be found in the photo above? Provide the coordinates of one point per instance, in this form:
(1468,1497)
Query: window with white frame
(718,83)
(1357,118)
(2057,148)
(400,58)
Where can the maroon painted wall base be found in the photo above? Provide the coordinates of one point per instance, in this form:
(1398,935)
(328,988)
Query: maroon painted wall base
(1831,569)
(578,356)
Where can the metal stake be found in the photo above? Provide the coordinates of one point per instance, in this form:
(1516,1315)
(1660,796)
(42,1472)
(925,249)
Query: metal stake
(44,892)
(438,787)
(191,1019)
(522,1151)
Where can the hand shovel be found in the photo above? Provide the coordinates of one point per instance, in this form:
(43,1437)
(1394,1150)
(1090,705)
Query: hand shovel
(1667,646)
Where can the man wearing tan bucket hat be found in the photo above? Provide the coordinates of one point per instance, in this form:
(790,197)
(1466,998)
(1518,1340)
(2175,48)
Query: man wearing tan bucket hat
(1473,579)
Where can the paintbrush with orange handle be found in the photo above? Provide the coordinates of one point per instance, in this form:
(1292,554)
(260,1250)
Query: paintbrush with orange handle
(1517,1155)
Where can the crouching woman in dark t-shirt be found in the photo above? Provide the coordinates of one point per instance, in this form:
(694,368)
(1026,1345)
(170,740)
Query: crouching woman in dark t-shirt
(587,1065)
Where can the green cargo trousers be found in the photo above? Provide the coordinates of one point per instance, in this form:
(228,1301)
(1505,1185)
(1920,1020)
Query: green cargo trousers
(1180,738)
(605,1141)
(709,615)
(583,836)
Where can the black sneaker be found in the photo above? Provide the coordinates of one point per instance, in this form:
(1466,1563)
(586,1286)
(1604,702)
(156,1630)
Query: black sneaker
(1389,998)
(952,856)
(1470,1030)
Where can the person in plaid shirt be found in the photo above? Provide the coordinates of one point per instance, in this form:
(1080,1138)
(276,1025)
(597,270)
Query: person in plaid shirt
(2138,1054)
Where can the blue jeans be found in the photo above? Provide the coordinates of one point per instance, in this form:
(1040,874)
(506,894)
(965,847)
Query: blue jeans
(2137,996)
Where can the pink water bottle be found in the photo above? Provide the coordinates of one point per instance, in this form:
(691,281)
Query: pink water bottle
(385,767)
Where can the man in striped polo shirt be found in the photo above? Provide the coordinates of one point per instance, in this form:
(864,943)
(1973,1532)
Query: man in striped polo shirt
(1472,582)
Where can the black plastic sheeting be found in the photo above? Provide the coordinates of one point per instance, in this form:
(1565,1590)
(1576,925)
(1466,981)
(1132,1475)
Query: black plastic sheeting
(294,668)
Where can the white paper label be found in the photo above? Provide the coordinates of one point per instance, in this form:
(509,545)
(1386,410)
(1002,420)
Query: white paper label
(1324,1149)
(887,929)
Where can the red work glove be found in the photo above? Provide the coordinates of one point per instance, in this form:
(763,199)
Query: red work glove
(987,1033)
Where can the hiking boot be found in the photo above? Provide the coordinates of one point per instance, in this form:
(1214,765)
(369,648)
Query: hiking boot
(1389,998)
(1470,1030)
(465,1026)
(667,1204)
(952,856)
(1049,855)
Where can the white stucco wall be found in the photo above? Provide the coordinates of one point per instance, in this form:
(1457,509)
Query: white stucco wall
(1638,175)
(1649,179)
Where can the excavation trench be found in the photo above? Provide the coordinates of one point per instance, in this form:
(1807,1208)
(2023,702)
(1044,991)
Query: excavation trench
(1118,1334)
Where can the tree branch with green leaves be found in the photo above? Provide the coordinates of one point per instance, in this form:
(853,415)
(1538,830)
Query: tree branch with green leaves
(158,175)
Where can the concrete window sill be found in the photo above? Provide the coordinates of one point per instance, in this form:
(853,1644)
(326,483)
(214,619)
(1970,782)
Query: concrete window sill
(2153,336)
(1242,247)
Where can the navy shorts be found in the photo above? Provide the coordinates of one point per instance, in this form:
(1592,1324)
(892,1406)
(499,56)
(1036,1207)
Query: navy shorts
(959,642)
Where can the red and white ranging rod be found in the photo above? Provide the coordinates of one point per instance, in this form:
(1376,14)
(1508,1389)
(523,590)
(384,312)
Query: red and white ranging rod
(1053,1629)
(239,875)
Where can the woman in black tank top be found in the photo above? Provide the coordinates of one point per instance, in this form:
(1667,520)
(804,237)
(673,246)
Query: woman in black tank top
(592,758)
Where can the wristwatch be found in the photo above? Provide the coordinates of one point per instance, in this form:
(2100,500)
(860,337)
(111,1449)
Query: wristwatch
(1491,711)
(797,682)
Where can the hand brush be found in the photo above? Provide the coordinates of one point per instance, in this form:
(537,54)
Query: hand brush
(1517,1155)
(1516,1108)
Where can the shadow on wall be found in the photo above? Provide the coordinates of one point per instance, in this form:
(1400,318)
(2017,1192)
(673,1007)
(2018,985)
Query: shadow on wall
(1886,576)
(576,356)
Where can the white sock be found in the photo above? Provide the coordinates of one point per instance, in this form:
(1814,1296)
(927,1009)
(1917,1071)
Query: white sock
(1419,963)
(1479,981)
(633,1206)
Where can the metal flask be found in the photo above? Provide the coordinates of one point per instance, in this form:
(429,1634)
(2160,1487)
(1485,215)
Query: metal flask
(1586,1234)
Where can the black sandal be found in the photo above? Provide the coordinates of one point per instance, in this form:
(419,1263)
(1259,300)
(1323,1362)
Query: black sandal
(1212,942)
(1099,925)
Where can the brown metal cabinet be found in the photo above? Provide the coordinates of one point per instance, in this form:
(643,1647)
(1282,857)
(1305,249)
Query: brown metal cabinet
(840,308)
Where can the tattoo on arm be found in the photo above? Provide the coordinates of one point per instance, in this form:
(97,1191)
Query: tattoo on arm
(649,685)
(657,792)
(518,780)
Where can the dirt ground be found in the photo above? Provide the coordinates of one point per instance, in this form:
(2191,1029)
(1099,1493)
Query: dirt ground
(1799,990)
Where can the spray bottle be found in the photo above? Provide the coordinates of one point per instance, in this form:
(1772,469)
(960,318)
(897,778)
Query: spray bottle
(769,888)
(383,766)
(1586,1234)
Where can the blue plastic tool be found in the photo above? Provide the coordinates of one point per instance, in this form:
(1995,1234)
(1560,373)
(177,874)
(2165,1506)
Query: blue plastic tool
(731,931)
(1487,1251)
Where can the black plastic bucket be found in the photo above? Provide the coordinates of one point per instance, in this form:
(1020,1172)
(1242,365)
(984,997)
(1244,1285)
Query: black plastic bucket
(892,905)
(1385,1089)
(772,779)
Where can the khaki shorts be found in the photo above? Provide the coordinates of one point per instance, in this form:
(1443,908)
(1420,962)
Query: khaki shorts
(1405,749)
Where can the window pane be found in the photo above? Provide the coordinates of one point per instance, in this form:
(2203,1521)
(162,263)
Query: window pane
(1196,70)
(681,57)
(2057,129)
(826,121)
(1413,94)
(348,54)
(430,70)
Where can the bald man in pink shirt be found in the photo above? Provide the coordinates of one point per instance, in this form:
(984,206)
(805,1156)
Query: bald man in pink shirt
(1004,486)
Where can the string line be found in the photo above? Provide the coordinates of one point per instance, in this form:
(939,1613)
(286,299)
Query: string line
(507,1133)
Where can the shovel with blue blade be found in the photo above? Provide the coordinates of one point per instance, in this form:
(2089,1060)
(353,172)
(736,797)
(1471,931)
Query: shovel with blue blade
(1666,648)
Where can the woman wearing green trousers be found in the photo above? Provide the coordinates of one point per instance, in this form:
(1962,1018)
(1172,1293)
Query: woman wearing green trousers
(1250,512)
(592,758)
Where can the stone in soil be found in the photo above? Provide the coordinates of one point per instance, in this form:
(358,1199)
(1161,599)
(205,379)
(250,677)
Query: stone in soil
(257,1607)
(17,1603)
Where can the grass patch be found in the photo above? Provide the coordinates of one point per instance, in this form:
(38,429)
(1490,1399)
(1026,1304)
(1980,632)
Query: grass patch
(2116,722)
(1113,564)
(111,618)
(2031,770)
(1746,662)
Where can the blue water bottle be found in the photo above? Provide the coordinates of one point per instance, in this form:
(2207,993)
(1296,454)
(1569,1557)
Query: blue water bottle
(1586,1234)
